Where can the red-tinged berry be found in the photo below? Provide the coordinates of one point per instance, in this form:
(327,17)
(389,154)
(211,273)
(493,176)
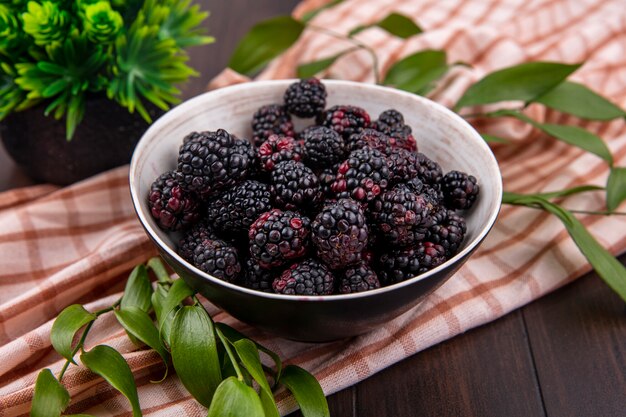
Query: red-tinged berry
(323,146)
(448,230)
(363,176)
(308,277)
(459,190)
(391,123)
(295,186)
(277,149)
(358,278)
(345,120)
(399,265)
(277,237)
(326,178)
(340,233)
(217,258)
(171,206)
(305,98)
(269,120)
(199,232)
(369,137)
(257,278)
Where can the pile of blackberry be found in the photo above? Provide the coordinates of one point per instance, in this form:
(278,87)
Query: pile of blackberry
(344,206)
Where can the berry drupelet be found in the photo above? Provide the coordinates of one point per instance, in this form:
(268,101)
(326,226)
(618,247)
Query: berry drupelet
(448,230)
(459,190)
(269,120)
(340,233)
(399,265)
(305,98)
(345,120)
(363,176)
(210,162)
(357,279)
(309,277)
(199,232)
(238,207)
(295,186)
(171,206)
(277,237)
(277,149)
(257,278)
(217,258)
(323,146)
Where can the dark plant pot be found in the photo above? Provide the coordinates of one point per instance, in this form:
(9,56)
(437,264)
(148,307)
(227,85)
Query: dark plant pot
(104,139)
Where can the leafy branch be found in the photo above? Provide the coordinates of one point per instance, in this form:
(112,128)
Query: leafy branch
(170,320)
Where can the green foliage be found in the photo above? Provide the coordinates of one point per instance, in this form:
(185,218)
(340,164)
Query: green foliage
(55,52)
(395,23)
(417,72)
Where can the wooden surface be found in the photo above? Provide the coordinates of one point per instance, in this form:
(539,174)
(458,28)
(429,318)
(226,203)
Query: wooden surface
(563,355)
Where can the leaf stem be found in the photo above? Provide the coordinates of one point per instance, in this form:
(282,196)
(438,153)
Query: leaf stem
(355,42)
(233,360)
(591,212)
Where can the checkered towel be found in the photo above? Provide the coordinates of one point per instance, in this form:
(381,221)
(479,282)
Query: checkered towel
(77,244)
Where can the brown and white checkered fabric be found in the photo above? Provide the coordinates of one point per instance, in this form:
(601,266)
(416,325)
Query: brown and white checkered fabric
(77,244)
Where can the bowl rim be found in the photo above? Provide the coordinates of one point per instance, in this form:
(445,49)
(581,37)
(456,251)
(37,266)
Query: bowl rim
(224,91)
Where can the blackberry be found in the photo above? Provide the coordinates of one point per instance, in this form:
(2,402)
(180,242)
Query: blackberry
(448,230)
(295,186)
(429,171)
(357,279)
(210,162)
(171,206)
(257,278)
(217,258)
(389,120)
(345,120)
(403,165)
(391,123)
(277,237)
(401,216)
(399,265)
(269,120)
(326,179)
(323,146)
(309,277)
(237,208)
(198,232)
(404,139)
(363,176)
(372,138)
(340,233)
(277,149)
(305,98)
(460,190)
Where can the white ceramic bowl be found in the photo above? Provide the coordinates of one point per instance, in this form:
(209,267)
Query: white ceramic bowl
(441,134)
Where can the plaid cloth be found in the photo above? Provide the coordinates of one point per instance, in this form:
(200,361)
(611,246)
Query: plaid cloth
(77,244)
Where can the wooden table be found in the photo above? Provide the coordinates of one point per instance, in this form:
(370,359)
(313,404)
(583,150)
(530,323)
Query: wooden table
(563,355)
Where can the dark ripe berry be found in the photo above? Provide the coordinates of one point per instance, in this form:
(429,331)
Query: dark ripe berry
(199,232)
(269,120)
(277,237)
(295,186)
(345,120)
(305,98)
(363,176)
(399,265)
(448,230)
(340,233)
(404,139)
(323,146)
(369,137)
(326,178)
(309,277)
(172,207)
(277,149)
(217,258)
(403,165)
(429,171)
(237,208)
(358,278)
(391,122)
(401,216)
(257,278)
(210,162)
(459,190)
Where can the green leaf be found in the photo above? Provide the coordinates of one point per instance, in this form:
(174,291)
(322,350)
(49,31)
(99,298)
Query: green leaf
(156,265)
(616,188)
(65,326)
(50,397)
(265,41)
(312,13)
(176,294)
(493,139)
(311,68)
(395,23)
(306,390)
(233,398)
(580,101)
(110,365)
(194,353)
(165,323)
(138,323)
(138,290)
(570,191)
(523,82)
(415,72)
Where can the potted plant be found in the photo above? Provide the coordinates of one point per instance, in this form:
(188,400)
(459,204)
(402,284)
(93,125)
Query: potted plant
(80,80)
